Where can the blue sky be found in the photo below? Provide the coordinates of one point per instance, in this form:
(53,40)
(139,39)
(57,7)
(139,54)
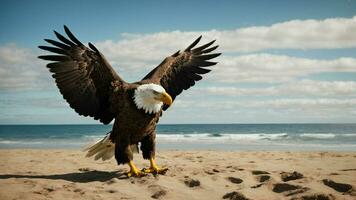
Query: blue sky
(282,62)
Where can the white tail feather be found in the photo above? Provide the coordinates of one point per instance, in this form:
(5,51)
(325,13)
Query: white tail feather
(104,149)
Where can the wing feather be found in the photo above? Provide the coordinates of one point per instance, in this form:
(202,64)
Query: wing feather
(57,44)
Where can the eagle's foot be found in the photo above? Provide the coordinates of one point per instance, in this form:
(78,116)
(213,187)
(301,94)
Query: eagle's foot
(154,169)
(134,172)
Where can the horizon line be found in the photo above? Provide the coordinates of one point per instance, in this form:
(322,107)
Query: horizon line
(188,123)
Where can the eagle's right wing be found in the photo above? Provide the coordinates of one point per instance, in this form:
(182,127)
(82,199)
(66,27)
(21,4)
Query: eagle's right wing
(83,76)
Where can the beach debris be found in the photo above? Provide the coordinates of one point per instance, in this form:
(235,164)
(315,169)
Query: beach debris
(315,197)
(340,187)
(234,180)
(287,176)
(235,196)
(259,172)
(192,182)
(263,178)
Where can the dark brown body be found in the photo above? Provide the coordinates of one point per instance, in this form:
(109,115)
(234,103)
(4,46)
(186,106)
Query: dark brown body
(129,130)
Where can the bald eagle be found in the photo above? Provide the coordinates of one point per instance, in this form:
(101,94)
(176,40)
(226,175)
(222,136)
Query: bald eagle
(92,88)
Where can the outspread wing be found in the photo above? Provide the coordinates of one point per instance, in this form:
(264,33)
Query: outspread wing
(83,76)
(181,70)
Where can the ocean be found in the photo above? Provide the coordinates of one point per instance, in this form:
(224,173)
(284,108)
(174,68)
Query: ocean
(236,137)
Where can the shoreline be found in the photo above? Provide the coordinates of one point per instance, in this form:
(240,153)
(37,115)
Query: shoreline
(67,174)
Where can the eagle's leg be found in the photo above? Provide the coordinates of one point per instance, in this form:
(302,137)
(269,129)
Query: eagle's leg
(148,148)
(123,155)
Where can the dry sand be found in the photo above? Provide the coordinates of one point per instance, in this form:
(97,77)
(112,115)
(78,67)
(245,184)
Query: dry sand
(67,174)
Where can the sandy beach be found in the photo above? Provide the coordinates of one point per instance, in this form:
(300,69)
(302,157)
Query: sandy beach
(67,174)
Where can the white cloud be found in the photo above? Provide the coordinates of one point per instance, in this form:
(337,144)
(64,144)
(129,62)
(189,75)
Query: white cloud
(269,68)
(295,34)
(139,50)
(297,104)
(20,69)
(136,54)
(281,103)
(296,89)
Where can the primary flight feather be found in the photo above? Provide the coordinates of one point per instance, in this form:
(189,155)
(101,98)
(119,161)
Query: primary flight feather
(92,88)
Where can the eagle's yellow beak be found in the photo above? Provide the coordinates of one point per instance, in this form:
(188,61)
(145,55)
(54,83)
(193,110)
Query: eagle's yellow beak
(165,98)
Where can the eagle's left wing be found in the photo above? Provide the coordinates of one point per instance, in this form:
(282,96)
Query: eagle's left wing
(181,70)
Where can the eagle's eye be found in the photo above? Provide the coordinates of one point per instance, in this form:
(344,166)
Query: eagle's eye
(155,92)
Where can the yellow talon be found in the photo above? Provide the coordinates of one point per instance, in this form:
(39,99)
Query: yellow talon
(154,169)
(134,171)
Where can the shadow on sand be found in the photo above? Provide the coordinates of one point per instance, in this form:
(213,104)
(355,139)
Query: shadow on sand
(79,177)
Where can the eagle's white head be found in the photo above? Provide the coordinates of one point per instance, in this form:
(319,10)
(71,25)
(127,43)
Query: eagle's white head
(150,97)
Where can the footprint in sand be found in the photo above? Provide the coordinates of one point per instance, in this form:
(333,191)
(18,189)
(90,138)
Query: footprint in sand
(49,188)
(263,178)
(80,191)
(159,194)
(256,186)
(192,182)
(112,191)
(84,169)
(157,191)
(288,189)
(346,170)
(315,197)
(334,174)
(209,172)
(235,196)
(287,176)
(45,190)
(259,172)
(340,187)
(234,180)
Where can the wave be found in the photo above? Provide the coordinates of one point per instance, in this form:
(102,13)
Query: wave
(19,142)
(278,137)
(349,135)
(195,138)
(318,135)
(39,143)
(220,137)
